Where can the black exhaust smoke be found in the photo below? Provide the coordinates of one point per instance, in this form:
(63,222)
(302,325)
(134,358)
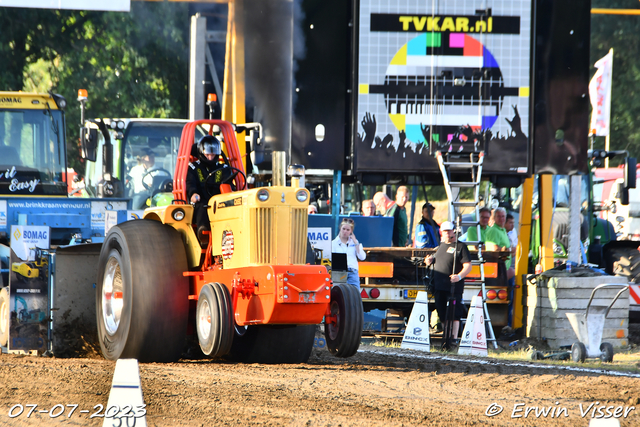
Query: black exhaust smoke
(269,67)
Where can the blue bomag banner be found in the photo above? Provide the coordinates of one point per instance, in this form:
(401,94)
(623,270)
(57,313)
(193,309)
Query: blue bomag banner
(29,288)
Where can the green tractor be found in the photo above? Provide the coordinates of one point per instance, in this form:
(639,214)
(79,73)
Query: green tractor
(599,241)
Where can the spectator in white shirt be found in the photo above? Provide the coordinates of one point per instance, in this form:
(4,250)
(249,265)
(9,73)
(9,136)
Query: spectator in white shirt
(346,243)
(509,225)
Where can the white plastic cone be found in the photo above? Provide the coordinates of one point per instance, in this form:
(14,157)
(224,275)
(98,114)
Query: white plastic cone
(416,334)
(474,339)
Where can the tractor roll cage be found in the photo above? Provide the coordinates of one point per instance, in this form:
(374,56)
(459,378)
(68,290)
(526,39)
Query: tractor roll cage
(184,155)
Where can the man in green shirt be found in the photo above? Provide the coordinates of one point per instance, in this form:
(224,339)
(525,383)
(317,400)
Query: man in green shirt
(397,211)
(401,232)
(472,232)
(497,234)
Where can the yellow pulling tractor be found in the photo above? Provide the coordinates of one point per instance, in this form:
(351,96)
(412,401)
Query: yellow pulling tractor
(248,296)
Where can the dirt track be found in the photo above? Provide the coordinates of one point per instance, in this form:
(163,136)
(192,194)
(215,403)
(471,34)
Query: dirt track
(377,387)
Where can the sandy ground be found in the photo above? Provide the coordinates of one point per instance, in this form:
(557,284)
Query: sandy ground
(378,387)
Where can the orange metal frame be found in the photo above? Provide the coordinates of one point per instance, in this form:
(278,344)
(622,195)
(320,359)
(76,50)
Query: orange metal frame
(184,155)
(375,269)
(271,294)
(490,270)
(385,269)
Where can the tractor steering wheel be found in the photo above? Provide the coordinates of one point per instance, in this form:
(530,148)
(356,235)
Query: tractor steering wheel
(161,172)
(235,172)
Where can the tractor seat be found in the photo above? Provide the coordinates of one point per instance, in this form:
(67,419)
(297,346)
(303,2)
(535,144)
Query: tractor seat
(194,152)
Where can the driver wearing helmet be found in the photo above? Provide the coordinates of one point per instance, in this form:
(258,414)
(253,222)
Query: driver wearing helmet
(204,177)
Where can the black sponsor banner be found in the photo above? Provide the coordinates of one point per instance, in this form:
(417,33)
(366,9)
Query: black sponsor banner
(445,23)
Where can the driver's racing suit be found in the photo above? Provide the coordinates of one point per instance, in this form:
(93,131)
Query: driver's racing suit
(197,183)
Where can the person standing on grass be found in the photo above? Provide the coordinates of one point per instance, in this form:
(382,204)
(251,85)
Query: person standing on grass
(452,265)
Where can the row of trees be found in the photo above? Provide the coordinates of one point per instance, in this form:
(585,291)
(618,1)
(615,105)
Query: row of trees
(136,64)
(133,64)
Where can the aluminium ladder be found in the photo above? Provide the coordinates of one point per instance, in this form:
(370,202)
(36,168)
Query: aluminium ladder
(464,170)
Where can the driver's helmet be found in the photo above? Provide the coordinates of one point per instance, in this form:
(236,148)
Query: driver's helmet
(208,144)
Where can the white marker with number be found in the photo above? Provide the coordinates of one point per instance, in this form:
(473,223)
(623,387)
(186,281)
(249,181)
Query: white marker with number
(416,335)
(126,406)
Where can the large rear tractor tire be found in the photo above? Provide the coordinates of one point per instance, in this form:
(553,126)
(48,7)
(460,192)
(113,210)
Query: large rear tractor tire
(344,336)
(273,344)
(4,316)
(214,320)
(142,296)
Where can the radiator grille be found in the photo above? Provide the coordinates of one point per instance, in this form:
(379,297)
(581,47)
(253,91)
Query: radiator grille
(262,230)
(299,220)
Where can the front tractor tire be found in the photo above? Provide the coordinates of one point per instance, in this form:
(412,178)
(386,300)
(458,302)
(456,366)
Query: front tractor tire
(214,320)
(343,337)
(142,296)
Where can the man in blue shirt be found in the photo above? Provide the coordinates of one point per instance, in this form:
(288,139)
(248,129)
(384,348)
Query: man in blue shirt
(427,233)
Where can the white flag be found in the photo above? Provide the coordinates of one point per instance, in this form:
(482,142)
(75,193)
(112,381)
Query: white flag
(600,94)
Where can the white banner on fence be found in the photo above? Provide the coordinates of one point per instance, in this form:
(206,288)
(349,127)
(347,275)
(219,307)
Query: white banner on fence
(111,5)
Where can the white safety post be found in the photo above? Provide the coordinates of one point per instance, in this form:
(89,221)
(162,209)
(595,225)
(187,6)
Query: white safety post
(575,254)
(125,395)
(197,66)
